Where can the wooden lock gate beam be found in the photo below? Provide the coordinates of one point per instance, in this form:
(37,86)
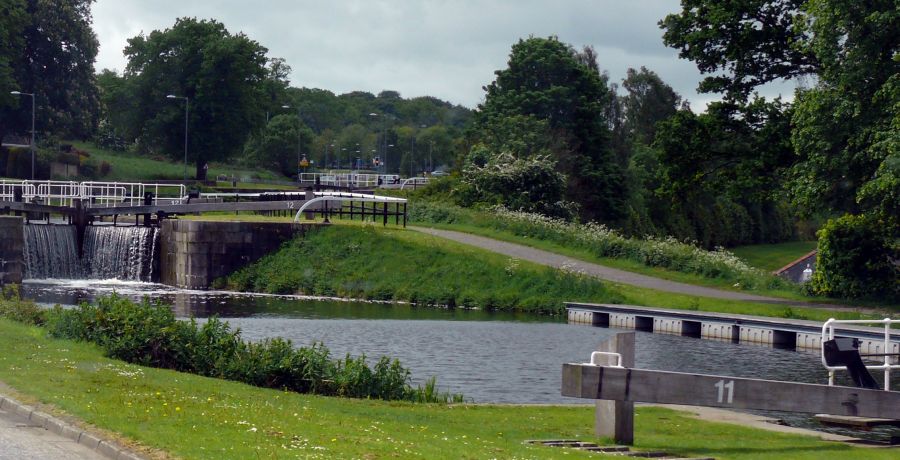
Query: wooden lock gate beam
(664,387)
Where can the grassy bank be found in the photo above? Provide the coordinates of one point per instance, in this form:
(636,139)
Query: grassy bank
(125,166)
(197,417)
(371,262)
(771,257)
(660,258)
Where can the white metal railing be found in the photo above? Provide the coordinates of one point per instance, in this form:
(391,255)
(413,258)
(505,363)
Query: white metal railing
(351,179)
(8,189)
(341,197)
(130,193)
(62,193)
(884,351)
(605,354)
(57,193)
(415,182)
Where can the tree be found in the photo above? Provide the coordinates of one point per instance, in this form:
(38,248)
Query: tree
(278,145)
(48,48)
(221,73)
(649,101)
(845,132)
(12,22)
(548,81)
(743,43)
(845,127)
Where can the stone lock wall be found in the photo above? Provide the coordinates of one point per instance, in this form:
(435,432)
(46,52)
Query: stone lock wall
(12,247)
(194,253)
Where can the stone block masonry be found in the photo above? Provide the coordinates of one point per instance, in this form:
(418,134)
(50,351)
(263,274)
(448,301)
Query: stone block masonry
(12,246)
(194,253)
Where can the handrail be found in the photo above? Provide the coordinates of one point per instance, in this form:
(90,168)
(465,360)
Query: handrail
(828,331)
(597,354)
(341,197)
(415,181)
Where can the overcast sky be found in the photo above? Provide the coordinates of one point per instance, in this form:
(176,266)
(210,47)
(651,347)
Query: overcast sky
(442,48)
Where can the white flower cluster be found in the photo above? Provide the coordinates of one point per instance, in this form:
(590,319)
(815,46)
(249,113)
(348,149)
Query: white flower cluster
(652,251)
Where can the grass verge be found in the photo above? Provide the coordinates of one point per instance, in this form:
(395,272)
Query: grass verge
(771,257)
(198,417)
(393,264)
(365,261)
(126,166)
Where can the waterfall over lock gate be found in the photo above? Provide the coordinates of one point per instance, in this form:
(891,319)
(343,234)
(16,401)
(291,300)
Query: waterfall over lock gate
(125,253)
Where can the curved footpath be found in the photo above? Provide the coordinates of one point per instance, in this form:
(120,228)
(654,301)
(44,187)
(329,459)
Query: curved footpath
(551,259)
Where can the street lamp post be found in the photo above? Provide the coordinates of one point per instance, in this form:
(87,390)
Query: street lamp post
(33,132)
(187,103)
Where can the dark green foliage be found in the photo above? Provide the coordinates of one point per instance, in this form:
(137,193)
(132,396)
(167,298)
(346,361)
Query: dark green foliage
(221,73)
(603,242)
(47,47)
(148,334)
(277,147)
(844,128)
(387,265)
(549,82)
(13,307)
(857,258)
(740,44)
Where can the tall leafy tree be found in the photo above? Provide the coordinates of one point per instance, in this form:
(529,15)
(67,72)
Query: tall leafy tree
(844,126)
(648,101)
(12,22)
(548,80)
(280,143)
(221,73)
(48,48)
(740,44)
(844,131)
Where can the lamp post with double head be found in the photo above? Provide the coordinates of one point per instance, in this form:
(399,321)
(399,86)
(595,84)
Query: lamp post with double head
(187,103)
(32,144)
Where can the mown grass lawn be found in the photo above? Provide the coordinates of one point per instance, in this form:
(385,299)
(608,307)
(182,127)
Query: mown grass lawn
(125,167)
(771,257)
(197,417)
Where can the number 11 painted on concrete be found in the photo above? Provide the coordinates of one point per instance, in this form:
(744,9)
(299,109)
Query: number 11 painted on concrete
(722,386)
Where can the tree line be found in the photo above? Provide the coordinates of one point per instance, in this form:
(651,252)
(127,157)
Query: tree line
(554,134)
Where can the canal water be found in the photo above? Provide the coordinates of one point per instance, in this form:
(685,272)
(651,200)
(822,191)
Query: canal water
(488,357)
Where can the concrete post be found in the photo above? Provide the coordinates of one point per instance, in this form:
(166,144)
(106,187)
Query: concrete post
(615,419)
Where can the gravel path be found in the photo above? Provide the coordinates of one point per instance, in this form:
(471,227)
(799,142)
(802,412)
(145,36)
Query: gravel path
(605,273)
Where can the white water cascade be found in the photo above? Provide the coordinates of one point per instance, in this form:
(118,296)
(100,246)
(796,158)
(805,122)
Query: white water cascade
(124,253)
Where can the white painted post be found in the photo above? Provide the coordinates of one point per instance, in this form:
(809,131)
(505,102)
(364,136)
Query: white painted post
(615,419)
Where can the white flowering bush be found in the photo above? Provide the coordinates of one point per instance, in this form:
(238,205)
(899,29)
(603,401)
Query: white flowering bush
(600,240)
(651,251)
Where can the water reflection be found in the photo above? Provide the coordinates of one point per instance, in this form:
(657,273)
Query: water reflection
(489,357)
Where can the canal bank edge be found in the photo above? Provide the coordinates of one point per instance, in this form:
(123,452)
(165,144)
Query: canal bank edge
(88,438)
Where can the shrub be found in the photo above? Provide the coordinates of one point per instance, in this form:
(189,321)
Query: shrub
(856,259)
(602,241)
(148,334)
(13,307)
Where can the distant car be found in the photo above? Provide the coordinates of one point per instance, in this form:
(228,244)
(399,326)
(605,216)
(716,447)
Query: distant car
(440,173)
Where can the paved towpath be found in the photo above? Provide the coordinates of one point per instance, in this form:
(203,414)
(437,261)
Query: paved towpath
(551,259)
(21,439)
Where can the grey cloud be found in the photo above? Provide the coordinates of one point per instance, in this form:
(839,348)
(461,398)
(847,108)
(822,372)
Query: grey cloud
(446,49)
